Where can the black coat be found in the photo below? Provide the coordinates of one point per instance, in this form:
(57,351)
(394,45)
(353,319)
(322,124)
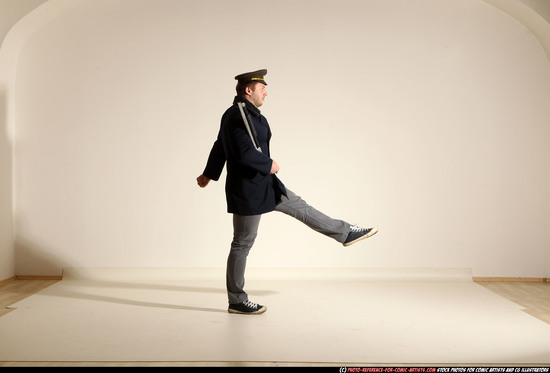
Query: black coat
(249,187)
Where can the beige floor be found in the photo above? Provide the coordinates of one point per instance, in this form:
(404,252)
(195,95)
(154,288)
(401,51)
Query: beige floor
(147,319)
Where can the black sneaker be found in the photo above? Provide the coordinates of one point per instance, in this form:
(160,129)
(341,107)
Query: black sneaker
(247,308)
(357,234)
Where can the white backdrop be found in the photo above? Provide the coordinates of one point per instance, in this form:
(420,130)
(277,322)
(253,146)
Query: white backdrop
(426,118)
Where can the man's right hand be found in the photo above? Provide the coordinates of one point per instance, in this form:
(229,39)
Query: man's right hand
(274,167)
(203,181)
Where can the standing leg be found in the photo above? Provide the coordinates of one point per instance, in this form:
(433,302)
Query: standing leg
(245,229)
(296,207)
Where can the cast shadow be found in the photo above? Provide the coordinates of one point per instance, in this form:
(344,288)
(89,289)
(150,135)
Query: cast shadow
(34,259)
(62,292)
(138,303)
(91,289)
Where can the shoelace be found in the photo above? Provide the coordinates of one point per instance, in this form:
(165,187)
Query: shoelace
(355,228)
(250,304)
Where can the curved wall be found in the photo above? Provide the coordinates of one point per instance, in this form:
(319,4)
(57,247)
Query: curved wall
(11,11)
(428,119)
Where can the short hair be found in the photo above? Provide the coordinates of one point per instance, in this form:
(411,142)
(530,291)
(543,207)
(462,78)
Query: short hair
(242,85)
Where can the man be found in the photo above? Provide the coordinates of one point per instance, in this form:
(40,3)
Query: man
(252,187)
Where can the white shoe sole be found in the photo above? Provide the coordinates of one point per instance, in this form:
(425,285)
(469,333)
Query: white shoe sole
(259,312)
(370,234)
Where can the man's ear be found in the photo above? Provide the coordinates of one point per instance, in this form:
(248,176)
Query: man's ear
(248,90)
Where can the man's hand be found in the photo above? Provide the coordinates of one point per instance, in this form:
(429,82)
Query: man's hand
(274,168)
(203,181)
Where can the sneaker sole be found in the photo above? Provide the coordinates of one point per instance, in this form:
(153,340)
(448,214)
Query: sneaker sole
(259,312)
(370,234)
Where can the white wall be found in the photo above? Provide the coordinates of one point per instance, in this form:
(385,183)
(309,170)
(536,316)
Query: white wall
(11,11)
(541,6)
(533,14)
(7,262)
(426,118)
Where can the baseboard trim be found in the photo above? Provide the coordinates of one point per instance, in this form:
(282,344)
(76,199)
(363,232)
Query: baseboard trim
(32,277)
(7,281)
(511,279)
(475,279)
(270,274)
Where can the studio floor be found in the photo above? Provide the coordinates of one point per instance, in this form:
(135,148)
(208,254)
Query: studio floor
(314,317)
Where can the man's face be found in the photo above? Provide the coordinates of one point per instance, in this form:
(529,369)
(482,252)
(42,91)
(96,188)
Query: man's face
(256,94)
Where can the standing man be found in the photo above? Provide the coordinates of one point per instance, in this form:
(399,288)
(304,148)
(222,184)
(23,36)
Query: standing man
(252,187)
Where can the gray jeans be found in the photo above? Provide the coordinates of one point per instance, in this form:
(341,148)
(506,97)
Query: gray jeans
(245,230)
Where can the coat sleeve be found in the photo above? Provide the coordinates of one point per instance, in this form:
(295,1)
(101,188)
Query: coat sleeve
(216,161)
